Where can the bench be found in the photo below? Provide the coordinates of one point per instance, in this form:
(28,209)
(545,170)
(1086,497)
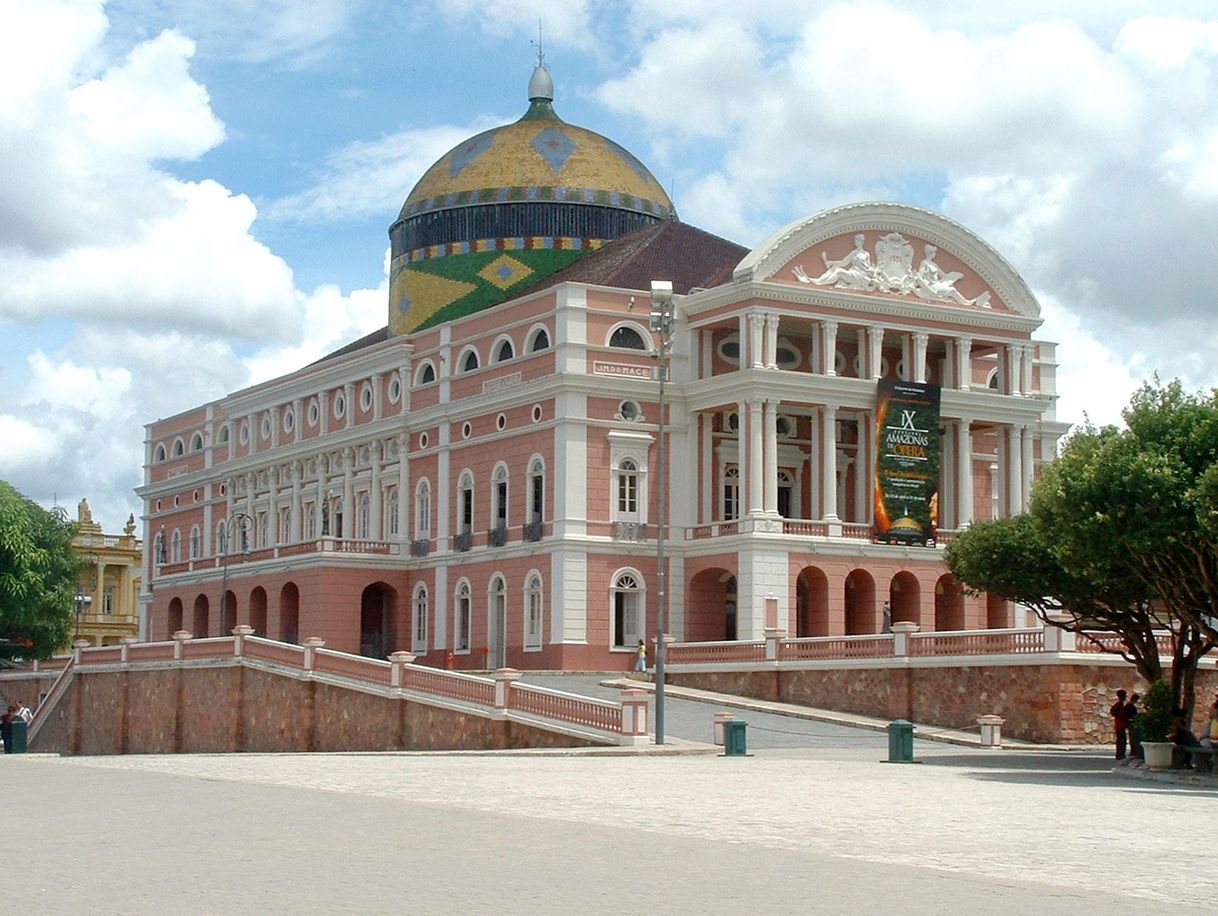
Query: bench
(1199,755)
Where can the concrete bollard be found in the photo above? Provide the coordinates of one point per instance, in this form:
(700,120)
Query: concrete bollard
(634,717)
(720,719)
(991,730)
(399,660)
(504,678)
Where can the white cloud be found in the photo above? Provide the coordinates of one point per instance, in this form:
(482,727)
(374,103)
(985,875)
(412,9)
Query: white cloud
(570,22)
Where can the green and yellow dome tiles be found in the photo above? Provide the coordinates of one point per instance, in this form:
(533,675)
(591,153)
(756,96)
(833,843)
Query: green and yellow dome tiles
(508,207)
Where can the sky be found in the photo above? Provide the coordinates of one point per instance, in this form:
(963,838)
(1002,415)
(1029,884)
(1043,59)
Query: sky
(195,194)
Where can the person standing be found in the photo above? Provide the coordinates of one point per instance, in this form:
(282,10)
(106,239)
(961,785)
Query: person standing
(6,729)
(1135,733)
(24,712)
(1120,725)
(640,662)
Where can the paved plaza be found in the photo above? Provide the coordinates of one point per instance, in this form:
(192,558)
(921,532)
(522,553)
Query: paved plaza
(823,828)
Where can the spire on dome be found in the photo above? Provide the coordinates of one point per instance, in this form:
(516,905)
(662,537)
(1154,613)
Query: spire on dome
(541,88)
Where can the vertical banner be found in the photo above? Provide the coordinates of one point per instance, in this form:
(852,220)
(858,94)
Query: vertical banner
(906,463)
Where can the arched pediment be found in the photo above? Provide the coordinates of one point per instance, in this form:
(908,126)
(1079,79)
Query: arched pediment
(893,251)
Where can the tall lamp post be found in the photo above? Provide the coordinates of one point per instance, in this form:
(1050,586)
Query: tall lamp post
(82,602)
(245,523)
(662,327)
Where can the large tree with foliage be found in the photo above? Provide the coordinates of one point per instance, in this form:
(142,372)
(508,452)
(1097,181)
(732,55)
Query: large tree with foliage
(1122,535)
(37,577)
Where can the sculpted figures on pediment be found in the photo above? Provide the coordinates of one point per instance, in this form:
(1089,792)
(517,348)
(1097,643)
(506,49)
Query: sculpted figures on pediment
(891,272)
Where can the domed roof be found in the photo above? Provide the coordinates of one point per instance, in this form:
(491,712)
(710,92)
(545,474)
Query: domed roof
(507,208)
(538,158)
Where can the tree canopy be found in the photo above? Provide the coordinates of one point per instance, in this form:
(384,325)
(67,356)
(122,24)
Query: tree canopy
(1122,535)
(37,577)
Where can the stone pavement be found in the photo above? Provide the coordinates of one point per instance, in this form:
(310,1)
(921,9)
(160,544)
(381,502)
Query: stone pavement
(826,829)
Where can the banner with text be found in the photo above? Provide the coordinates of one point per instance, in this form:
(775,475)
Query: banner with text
(906,463)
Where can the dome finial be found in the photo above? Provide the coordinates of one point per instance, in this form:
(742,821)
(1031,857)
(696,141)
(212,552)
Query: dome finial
(541,86)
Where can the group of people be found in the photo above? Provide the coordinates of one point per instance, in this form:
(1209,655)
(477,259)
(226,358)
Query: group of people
(17,710)
(1128,738)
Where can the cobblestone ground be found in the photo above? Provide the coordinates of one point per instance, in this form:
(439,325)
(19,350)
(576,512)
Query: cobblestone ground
(787,830)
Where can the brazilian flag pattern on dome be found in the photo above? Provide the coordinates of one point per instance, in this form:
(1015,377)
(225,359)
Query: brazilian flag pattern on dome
(442,282)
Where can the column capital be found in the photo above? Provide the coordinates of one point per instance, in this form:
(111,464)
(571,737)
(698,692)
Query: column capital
(829,324)
(921,337)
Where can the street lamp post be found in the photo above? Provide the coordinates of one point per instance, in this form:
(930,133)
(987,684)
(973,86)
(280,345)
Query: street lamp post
(245,522)
(662,326)
(82,602)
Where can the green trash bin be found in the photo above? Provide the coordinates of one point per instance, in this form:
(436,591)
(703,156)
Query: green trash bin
(20,735)
(900,741)
(734,743)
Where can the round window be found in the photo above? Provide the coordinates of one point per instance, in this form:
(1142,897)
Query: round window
(729,349)
(466,429)
(628,410)
(314,413)
(733,422)
(536,413)
(340,406)
(289,420)
(365,397)
(245,433)
(423,440)
(266,427)
(395,389)
(501,422)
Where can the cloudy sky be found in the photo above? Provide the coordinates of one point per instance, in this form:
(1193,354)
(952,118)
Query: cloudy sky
(194,194)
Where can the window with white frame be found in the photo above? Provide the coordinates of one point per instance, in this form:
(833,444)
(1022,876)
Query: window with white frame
(422,511)
(176,548)
(108,599)
(504,351)
(537,491)
(540,341)
(196,545)
(627,503)
(786,493)
(463,618)
(264,530)
(532,612)
(468,361)
(624,337)
(285,525)
(465,503)
(628,475)
(310,522)
(626,598)
(499,496)
(731,493)
(418,621)
(392,520)
(221,539)
(364,517)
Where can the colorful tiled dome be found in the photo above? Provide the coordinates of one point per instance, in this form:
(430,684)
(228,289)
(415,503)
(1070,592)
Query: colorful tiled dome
(509,206)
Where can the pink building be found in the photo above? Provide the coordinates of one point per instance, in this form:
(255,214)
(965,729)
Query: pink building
(478,482)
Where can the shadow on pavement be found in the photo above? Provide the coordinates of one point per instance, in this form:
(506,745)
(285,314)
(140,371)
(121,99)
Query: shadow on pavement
(1077,770)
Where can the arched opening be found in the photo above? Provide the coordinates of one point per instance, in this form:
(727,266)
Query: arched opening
(199,618)
(811,603)
(949,604)
(998,612)
(861,615)
(228,614)
(378,605)
(904,599)
(174,616)
(627,597)
(258,611)
(289,613)
(496,608)
(710,606)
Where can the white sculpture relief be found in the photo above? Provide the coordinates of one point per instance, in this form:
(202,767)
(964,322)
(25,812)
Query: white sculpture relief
(893,272)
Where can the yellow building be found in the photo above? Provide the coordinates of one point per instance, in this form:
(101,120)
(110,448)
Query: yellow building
(108,586)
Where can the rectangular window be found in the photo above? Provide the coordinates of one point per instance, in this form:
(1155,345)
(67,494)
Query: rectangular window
(501,504)
(463,624)
(108,600)
(467,511)
(532,635)
(536,503)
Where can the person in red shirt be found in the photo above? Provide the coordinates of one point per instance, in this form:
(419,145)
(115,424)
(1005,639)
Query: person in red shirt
(1120,723)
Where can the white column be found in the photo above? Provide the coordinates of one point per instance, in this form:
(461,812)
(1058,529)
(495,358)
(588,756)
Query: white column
(377,394)
(875,343)
(771,341)
(297,471)
(349,414)
(251,422)
(920,341)
(756,458)
(862,469)
(323,413)
(964,365)
(1014,370)
(274,412)
(1028,469)
(298,419)
(348,491)
(746,347)
(863,352)
(374,488)
(814,462)
(404,378)
(1029,354)
(743,459)
(756,338)
(964,472)
(828,347)
(828,462)
(706,466)
(404,523)
(771,457)
(272,509)
(1014,460)
(320,508)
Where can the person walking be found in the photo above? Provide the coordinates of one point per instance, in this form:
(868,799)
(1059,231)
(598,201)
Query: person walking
(640,661)
(1120,724)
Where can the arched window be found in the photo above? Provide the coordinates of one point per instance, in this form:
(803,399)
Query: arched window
(463,618)
(196,442)
(264,530)
(426,374)
(627,338)
(499,497)
(468,361)
(176,548)
(195,544)
(285,525)
(418,621)
(310,519)
(159,454)
(540,341)
(422,511)
(626,599)
(628,490)
(179,448)
(392,521)
(731,494)
(221,540)
(532,612)
(224,434)
(364,517)
(537,491)
(465,503)
(504,351)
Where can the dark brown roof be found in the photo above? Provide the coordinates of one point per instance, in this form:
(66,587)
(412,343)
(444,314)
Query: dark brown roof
(686,256)
(668,250)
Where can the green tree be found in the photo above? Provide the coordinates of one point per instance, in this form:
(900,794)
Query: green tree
(37,576)
(1121,536)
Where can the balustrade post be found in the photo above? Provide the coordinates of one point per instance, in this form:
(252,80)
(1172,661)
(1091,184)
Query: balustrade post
(901,631)
(124,643)
(773,636)
(179,638)
(397,673)
(504,678)
(721,718)
(991,730)
(1057,639)
(77,646)
(634,717)
(311,645)
(239,633)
